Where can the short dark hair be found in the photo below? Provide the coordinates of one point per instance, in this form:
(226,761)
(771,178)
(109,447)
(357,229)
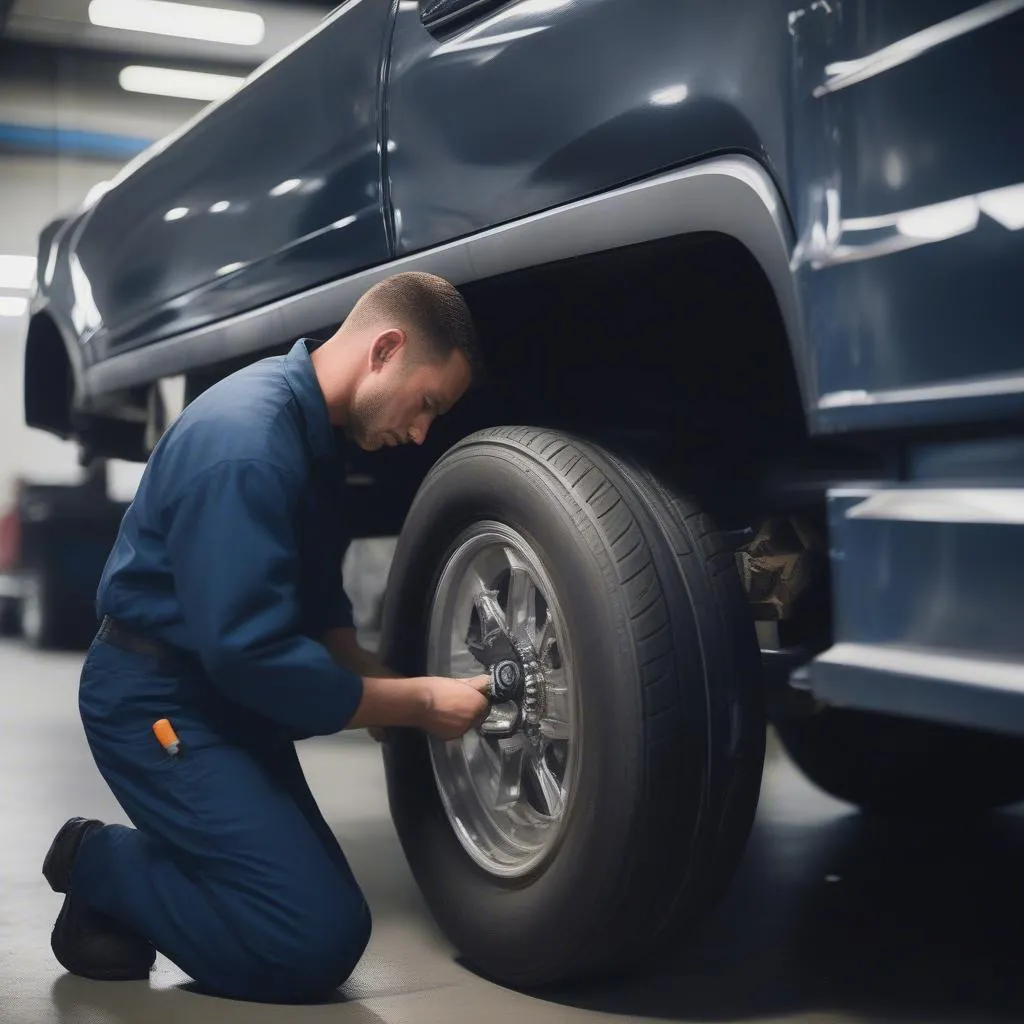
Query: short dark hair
(429,305)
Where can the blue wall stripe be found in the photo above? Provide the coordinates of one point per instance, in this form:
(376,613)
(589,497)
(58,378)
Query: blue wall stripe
(69,141)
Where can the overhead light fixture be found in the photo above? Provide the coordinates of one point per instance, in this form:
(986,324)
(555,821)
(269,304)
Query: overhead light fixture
(185,85)
(187,21)
(220,207)
(12,305)
(177,213)
(17,271)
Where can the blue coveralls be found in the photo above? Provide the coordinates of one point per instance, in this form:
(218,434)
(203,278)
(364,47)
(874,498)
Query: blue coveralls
(231,551)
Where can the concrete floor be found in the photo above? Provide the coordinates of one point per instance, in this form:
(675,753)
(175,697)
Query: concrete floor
(831,918)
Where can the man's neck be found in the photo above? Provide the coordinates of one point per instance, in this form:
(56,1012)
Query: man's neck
(333,376)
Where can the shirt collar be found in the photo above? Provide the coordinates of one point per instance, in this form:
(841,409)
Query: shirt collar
(298,369)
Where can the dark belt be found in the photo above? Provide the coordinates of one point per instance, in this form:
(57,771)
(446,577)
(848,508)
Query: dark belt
(118,635)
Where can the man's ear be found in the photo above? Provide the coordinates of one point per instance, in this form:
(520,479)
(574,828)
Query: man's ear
(385,347)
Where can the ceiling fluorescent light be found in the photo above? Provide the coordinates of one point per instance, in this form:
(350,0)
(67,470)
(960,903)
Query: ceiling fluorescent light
(186,85)
(17,271)
(187,21)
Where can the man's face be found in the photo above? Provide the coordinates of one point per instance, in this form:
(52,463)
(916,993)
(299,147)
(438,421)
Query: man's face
(399,398)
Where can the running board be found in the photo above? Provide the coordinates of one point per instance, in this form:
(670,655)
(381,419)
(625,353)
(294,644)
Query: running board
(928,602)
(968,691)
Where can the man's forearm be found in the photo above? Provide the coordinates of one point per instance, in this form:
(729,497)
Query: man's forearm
(391,702)
(400,703)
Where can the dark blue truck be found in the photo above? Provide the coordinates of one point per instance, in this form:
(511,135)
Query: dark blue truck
(751,448)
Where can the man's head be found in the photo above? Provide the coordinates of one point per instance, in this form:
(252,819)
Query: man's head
(406,353)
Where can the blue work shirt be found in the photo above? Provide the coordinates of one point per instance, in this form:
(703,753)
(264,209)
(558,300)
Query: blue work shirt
(232,547)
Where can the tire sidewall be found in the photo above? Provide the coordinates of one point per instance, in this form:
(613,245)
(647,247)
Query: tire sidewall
(475,483)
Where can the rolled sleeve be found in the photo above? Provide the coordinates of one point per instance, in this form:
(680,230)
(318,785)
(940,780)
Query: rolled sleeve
(234,556)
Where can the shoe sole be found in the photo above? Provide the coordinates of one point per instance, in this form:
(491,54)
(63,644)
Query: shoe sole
(113,974)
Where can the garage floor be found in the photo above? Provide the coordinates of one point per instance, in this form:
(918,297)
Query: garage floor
(831,919)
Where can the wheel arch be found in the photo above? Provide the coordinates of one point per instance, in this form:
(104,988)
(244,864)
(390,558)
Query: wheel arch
(50,379)
(732,195)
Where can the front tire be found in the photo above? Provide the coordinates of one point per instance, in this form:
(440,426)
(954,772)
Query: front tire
(612,830)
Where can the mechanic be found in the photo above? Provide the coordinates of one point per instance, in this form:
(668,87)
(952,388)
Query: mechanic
(223,612)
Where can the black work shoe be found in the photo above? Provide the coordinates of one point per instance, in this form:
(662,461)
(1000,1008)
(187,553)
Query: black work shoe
(60,858)
(90,944)
(86,941)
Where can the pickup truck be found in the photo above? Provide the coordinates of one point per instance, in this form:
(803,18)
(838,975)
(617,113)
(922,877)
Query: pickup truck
(751,447)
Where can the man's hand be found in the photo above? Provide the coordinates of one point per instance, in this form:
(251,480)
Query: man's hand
(447,708)
(456,706)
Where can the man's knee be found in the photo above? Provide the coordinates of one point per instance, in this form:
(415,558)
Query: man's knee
(334,948)
(315,954)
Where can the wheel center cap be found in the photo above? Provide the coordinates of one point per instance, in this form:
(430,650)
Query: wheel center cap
(508,681)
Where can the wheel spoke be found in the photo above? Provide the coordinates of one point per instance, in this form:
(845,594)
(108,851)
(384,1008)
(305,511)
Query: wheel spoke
(481,759)
(547,785)
(547,644)
(492,622)
(521,606)
(501,721)
(555,723)
(510,777)
(492,617)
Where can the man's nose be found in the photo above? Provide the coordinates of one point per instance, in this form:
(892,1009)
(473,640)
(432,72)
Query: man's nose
(419,430)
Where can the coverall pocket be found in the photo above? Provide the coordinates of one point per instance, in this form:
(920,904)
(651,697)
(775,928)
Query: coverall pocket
(121,696)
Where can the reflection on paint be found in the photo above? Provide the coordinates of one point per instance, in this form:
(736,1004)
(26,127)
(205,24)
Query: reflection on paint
(483,35)
(844,73)
(284,187)
(670,96)
(835,240)
(939,222)
(84,314)
(1004,205)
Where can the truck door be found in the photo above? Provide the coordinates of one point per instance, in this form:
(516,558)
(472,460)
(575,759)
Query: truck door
(271,192)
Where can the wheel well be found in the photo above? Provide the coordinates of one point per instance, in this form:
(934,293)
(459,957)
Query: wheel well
(48,381)
(681,339)
(676,350)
